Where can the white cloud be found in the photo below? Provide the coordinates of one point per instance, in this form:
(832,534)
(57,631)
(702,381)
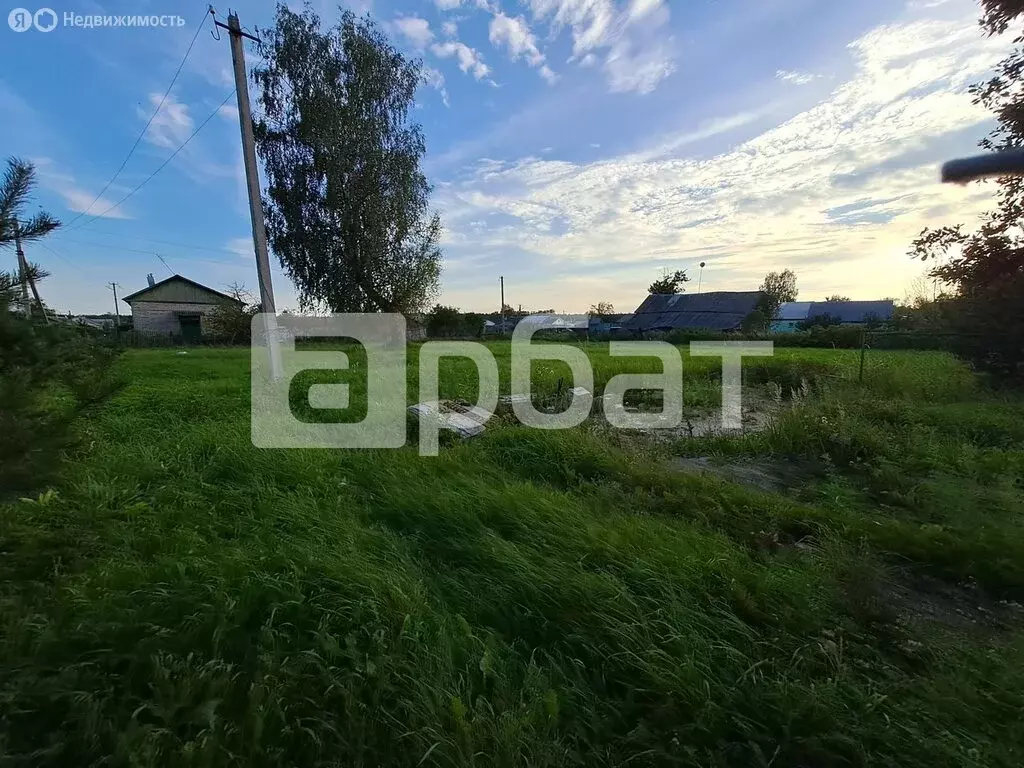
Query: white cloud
(638,68)
(450,28)
(836,192)
(470,60)
(797,78)
(78,199)
(241,246)
(416,30)
(637,51)
(447,5)
(549,76)
(514,34)
(640,8)
(673,143)
(435,79)
(171,126)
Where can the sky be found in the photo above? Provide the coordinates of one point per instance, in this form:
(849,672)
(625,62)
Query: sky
(577,147)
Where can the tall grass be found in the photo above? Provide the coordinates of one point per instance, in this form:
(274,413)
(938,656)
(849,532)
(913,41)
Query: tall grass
(526,598)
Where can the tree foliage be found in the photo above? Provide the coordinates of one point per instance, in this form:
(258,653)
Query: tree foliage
(985,266)
(231,322)
(837,297)
(603,309)
(776,289)
(347,204)
(670,282)
(818,321)
(48,373)
(444,321)
(15,190)
(997,14)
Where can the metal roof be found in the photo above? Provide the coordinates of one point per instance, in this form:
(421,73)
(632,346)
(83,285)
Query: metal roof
(567,322)
(793,310)
(132,296)
(718,310)
(852,311)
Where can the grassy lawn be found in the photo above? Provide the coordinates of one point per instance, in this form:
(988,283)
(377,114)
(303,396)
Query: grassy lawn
(179,597)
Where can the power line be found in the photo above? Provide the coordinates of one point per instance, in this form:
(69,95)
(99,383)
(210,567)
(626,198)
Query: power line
(159,168)
(59,256)
(164,263)
(148,122)
(107,246)
(190,246)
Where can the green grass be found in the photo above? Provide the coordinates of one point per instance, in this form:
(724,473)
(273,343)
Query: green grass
(525,598)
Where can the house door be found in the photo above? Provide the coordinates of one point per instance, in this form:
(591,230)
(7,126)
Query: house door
(191,328)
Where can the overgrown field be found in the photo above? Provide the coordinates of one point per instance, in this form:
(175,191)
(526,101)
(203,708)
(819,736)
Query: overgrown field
(179,597)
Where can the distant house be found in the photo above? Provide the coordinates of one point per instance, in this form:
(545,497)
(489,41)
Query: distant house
(176,306)
(493,324)
(790,315)
(716,311)
(607,324)
(97,323)
(793,313)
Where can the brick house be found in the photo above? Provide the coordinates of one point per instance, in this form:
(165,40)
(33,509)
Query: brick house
(176,306)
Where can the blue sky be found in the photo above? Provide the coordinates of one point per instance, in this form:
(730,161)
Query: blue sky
(577,147)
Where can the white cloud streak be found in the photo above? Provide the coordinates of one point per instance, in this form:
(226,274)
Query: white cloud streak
(837,191)
(416,30)
(636,50)
(797,78)
(171,126)
(469,59)
(515,36)
(77,198)
(435,79)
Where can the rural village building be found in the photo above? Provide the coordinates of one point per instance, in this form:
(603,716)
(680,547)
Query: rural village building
(792,313)
(176,306)
(718,311)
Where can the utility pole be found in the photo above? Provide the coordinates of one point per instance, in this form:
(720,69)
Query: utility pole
(252,178)
(117,311)
(26,277)
(22,271)
(502,279)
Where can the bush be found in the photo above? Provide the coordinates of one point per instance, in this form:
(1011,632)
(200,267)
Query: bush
(449,322)
(48,374)
(231,323)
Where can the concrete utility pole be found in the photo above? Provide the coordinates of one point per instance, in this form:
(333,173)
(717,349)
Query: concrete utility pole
(502,279)
(26,277)
(22,271)
(252,178)
(117,310)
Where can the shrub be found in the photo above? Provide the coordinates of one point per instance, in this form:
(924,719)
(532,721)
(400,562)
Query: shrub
(231,322)
(48,373)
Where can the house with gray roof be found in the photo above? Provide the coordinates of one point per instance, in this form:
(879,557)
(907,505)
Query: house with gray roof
(176,306)
(793,313)
(716,311)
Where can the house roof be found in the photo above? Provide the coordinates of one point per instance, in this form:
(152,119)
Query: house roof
(852,311)
(566,322)
(135,296)
(793,310)
(717,310)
